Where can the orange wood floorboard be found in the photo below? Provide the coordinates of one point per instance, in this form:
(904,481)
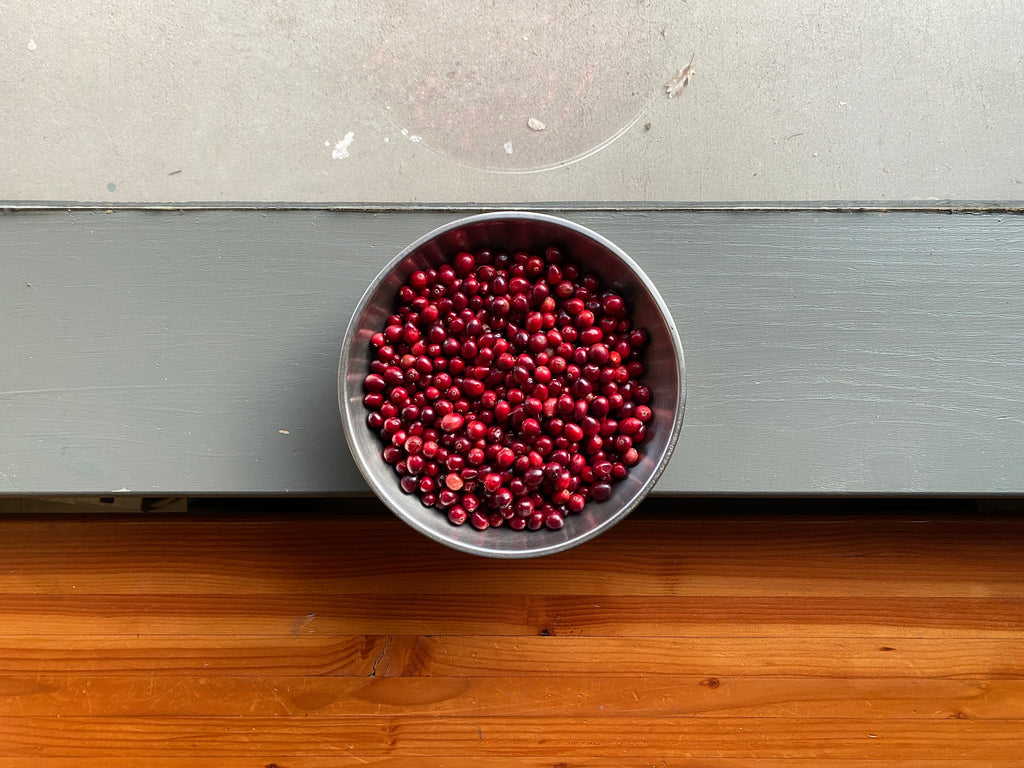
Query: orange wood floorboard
(303,635)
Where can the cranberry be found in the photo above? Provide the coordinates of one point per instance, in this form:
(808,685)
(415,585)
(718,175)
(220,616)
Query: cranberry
(452,422)
(630,426)
(613,305)
(511,381)
(638,338)
(584,319)
(533,476)
(473,388)
(573,432)
(505,457)
(492,482)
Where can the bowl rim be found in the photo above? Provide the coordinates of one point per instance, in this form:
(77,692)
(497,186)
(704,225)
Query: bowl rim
(384,494)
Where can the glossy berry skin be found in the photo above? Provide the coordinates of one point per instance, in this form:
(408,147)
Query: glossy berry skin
(507,389)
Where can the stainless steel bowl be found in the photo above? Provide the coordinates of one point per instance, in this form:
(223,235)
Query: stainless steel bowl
(515,230)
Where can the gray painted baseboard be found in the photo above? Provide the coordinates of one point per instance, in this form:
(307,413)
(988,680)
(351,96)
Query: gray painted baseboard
(167,352)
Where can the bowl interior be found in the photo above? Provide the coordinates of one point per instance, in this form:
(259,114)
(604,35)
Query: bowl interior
(531,232)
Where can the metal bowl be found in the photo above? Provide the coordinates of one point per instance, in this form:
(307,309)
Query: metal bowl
(533,232)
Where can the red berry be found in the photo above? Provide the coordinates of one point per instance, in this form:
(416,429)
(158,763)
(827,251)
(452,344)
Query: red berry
(513,376)
(457,515)
(452,422)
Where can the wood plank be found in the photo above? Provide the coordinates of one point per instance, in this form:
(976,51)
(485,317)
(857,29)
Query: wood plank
(512,614)
(272,640)
(845,657)
(206,655)
(827,352)
(309,554)
(491,656)
(510,761)
(591,696)
(491,737)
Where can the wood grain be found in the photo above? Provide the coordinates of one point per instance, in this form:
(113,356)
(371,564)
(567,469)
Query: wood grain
(592,695)
(838,656)
(333,553)
(196,352)
(499,656)
(511,614)
(312,640)
(494,737)
(512,761)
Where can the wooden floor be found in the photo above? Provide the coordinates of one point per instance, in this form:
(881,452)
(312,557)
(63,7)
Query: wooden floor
(702,633)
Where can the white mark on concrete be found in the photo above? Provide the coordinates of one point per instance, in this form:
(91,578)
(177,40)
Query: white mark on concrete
(31,44)
(508,147)
(283,432)
(535,125)
(415,139)
(405,131)
(675,86)
(121,490)
(327,143)
(386,139)
(340,151)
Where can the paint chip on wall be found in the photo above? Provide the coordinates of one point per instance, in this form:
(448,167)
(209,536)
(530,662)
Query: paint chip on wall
(340,151)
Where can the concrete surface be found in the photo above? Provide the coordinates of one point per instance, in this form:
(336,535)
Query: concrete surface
(146,101)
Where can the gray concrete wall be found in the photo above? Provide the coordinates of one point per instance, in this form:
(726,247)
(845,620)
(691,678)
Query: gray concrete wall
(146,101)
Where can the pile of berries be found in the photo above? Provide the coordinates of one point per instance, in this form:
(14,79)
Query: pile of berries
(506,389)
